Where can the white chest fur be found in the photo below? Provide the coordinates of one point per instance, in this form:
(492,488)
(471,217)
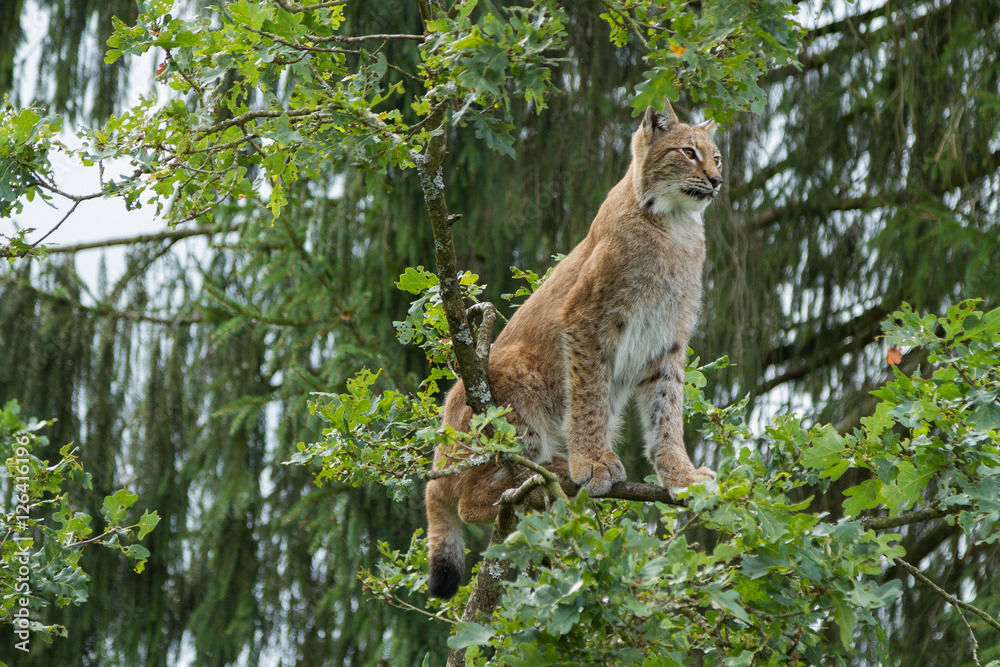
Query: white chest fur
(647,335)
(662,312)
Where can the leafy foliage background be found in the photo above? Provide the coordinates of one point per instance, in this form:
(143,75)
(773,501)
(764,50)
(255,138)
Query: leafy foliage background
(867,178)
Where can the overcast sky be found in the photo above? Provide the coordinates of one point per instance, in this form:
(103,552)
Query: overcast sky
(95,219)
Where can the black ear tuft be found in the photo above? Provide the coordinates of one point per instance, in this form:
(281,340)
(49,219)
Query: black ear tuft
(651,119)
(654,120)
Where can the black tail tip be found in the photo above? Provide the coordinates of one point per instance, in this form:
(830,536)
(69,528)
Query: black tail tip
(446,577)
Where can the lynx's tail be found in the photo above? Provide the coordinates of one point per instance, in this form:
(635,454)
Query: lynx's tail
(446,555)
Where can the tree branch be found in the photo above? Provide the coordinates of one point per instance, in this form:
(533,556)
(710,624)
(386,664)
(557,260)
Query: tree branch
(430,169)
(868,321)
(456,469)
(296,45)
(553,482)
(488,587)
(772,215)
(244,118)
(472,368)
(858,341)
(633,24)
(105,310)
(951,599)
(345,39)
(483,334)
(295,9)
(201,230)
(519,495)
(918,516)
(717,638)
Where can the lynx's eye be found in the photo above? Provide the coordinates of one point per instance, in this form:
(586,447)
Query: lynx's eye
(689,152)
(718,162)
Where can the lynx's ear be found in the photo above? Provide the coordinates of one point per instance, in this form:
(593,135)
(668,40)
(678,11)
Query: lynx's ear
(708,126)
(668,117)
(653,120)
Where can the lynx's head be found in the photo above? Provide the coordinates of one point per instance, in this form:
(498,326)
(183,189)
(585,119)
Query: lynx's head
(676,168)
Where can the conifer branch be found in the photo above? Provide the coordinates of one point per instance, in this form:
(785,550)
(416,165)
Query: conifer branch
(803,346)
(171,235)
(864,202)
(774,214)
(103,310)
(858,341)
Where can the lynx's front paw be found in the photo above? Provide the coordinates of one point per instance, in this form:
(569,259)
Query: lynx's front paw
(597,474)
(679,480)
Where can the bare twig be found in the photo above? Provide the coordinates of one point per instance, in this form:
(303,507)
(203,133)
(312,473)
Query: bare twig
(58,224)
(297,45)
(951,599)
(45,185)
(349,39)
(295,9)
(972,637)
(389,597)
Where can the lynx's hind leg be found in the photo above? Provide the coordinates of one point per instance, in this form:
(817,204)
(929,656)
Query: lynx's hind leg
(481,492)
(470,497)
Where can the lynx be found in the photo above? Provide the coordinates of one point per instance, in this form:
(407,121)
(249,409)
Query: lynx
(611,322)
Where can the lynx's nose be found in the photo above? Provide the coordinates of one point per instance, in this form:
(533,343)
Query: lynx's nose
(716,181)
